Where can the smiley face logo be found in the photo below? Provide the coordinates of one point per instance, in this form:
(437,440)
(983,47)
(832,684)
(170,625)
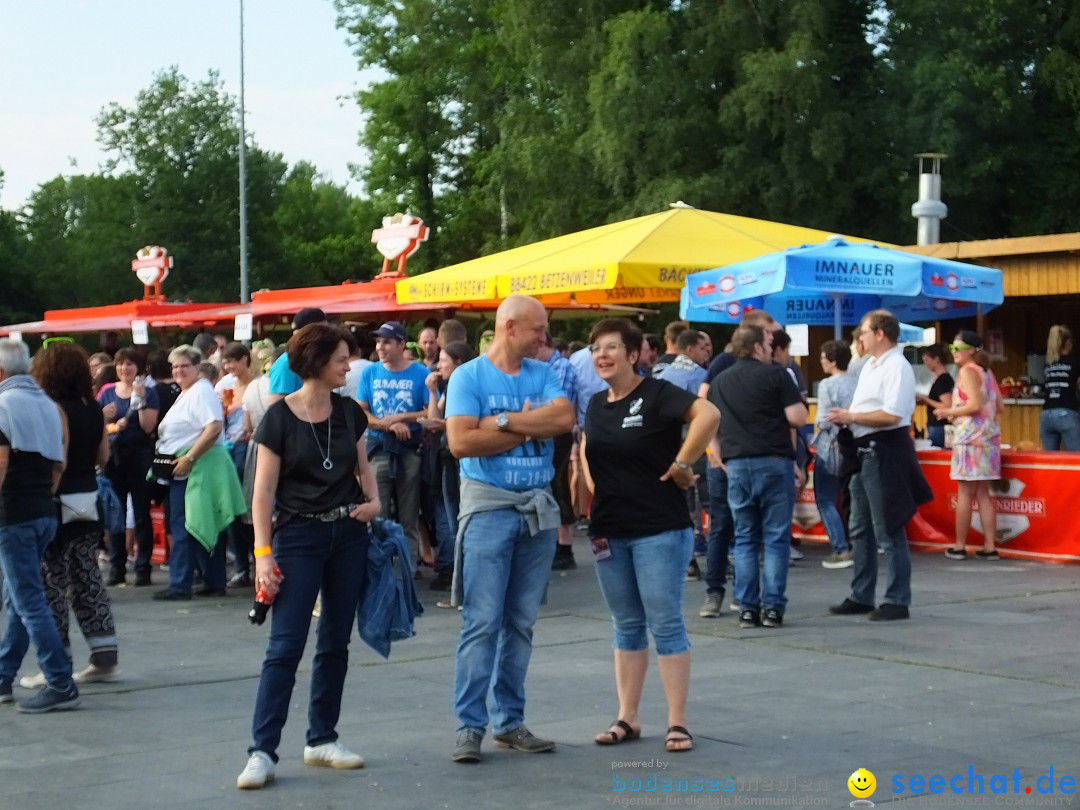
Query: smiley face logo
(862,784)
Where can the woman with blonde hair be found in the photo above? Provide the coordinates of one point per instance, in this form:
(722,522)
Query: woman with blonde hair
(1059,425)
(976,457)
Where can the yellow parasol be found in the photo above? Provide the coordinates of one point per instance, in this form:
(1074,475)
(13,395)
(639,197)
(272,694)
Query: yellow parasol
(641,260)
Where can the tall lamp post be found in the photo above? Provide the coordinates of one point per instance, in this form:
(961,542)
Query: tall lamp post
(245,296)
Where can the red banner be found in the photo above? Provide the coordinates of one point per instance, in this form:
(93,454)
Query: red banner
(1035,498)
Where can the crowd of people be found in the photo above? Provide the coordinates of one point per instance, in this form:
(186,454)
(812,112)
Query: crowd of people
(277,459)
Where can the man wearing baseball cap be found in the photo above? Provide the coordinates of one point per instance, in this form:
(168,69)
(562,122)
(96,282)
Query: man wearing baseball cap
(394,395)
(282,379)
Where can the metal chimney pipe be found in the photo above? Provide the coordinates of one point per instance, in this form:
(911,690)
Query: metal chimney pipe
(929,210)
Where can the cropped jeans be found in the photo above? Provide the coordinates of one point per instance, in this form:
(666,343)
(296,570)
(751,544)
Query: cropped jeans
(313,556)
(761,493)
(505,572)
(642,583)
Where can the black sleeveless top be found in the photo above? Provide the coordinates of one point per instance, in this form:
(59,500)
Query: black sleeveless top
(85,427)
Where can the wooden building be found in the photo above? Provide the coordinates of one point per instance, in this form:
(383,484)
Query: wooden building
(1042,288)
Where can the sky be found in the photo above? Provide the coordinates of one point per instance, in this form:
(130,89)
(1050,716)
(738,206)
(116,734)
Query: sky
(64,60)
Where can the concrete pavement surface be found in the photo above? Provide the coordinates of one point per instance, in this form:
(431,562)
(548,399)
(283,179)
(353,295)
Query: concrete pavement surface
(981,688)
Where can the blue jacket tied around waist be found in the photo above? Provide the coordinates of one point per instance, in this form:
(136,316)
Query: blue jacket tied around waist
(389,605)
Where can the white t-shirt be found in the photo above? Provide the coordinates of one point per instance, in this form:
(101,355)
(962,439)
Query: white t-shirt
(228,381)
(887,383)
(257,399)
(352,379)
(193,410)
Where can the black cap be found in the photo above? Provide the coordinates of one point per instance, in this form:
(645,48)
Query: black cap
(970,338)
(308,316)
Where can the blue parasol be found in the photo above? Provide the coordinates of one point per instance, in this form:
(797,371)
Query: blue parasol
(838,282)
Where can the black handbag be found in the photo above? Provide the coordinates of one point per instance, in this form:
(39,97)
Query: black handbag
(162,466)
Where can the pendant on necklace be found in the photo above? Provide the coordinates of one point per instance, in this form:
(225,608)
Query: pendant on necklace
(327,464)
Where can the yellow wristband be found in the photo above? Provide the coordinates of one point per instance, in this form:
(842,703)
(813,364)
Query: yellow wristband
(262,551)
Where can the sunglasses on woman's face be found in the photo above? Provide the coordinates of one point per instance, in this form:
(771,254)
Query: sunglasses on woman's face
(959,347)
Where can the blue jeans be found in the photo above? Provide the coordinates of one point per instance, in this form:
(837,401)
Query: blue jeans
(642,583)
(446,514)
(187,552)
(29,618)
(936,435)
(313,556)
(826,488)
(761,493)
(505,571)
(1060,427)
(721,531)
(241,535)
(867,526)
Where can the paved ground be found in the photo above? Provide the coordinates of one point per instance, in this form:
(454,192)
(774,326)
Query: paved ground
(986,677)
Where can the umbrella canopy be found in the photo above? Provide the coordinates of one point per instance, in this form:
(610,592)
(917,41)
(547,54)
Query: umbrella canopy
(643,260)
(117,317)
(838,282)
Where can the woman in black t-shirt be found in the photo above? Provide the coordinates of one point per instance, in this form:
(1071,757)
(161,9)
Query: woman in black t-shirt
(312,472)
(1059,425)
(638,467)
(940,394)
(70,567)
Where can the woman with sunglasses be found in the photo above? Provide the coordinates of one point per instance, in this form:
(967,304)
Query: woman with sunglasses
(131,413)
(638,466)
(976,459)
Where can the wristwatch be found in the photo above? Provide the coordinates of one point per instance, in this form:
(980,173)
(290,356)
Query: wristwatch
(502,421)
(682,465)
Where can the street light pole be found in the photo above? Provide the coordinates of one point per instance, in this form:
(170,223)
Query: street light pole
(245,297)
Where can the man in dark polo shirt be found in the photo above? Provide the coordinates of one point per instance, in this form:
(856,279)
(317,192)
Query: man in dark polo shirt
(31,462)
(759,406)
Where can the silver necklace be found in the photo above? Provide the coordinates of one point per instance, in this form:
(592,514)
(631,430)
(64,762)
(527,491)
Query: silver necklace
(327,463)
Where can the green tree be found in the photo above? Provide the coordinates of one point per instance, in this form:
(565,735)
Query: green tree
(19,292)
(414,130)
(180,140)
(993,85)
(81,233)
(325,233)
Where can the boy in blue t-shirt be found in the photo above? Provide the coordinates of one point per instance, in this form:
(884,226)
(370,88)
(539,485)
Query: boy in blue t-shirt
(394,396)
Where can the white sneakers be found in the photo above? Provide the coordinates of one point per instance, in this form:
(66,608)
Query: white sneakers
(96,674)
(92,674)
(32,681)
(332,755)
(258,771)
